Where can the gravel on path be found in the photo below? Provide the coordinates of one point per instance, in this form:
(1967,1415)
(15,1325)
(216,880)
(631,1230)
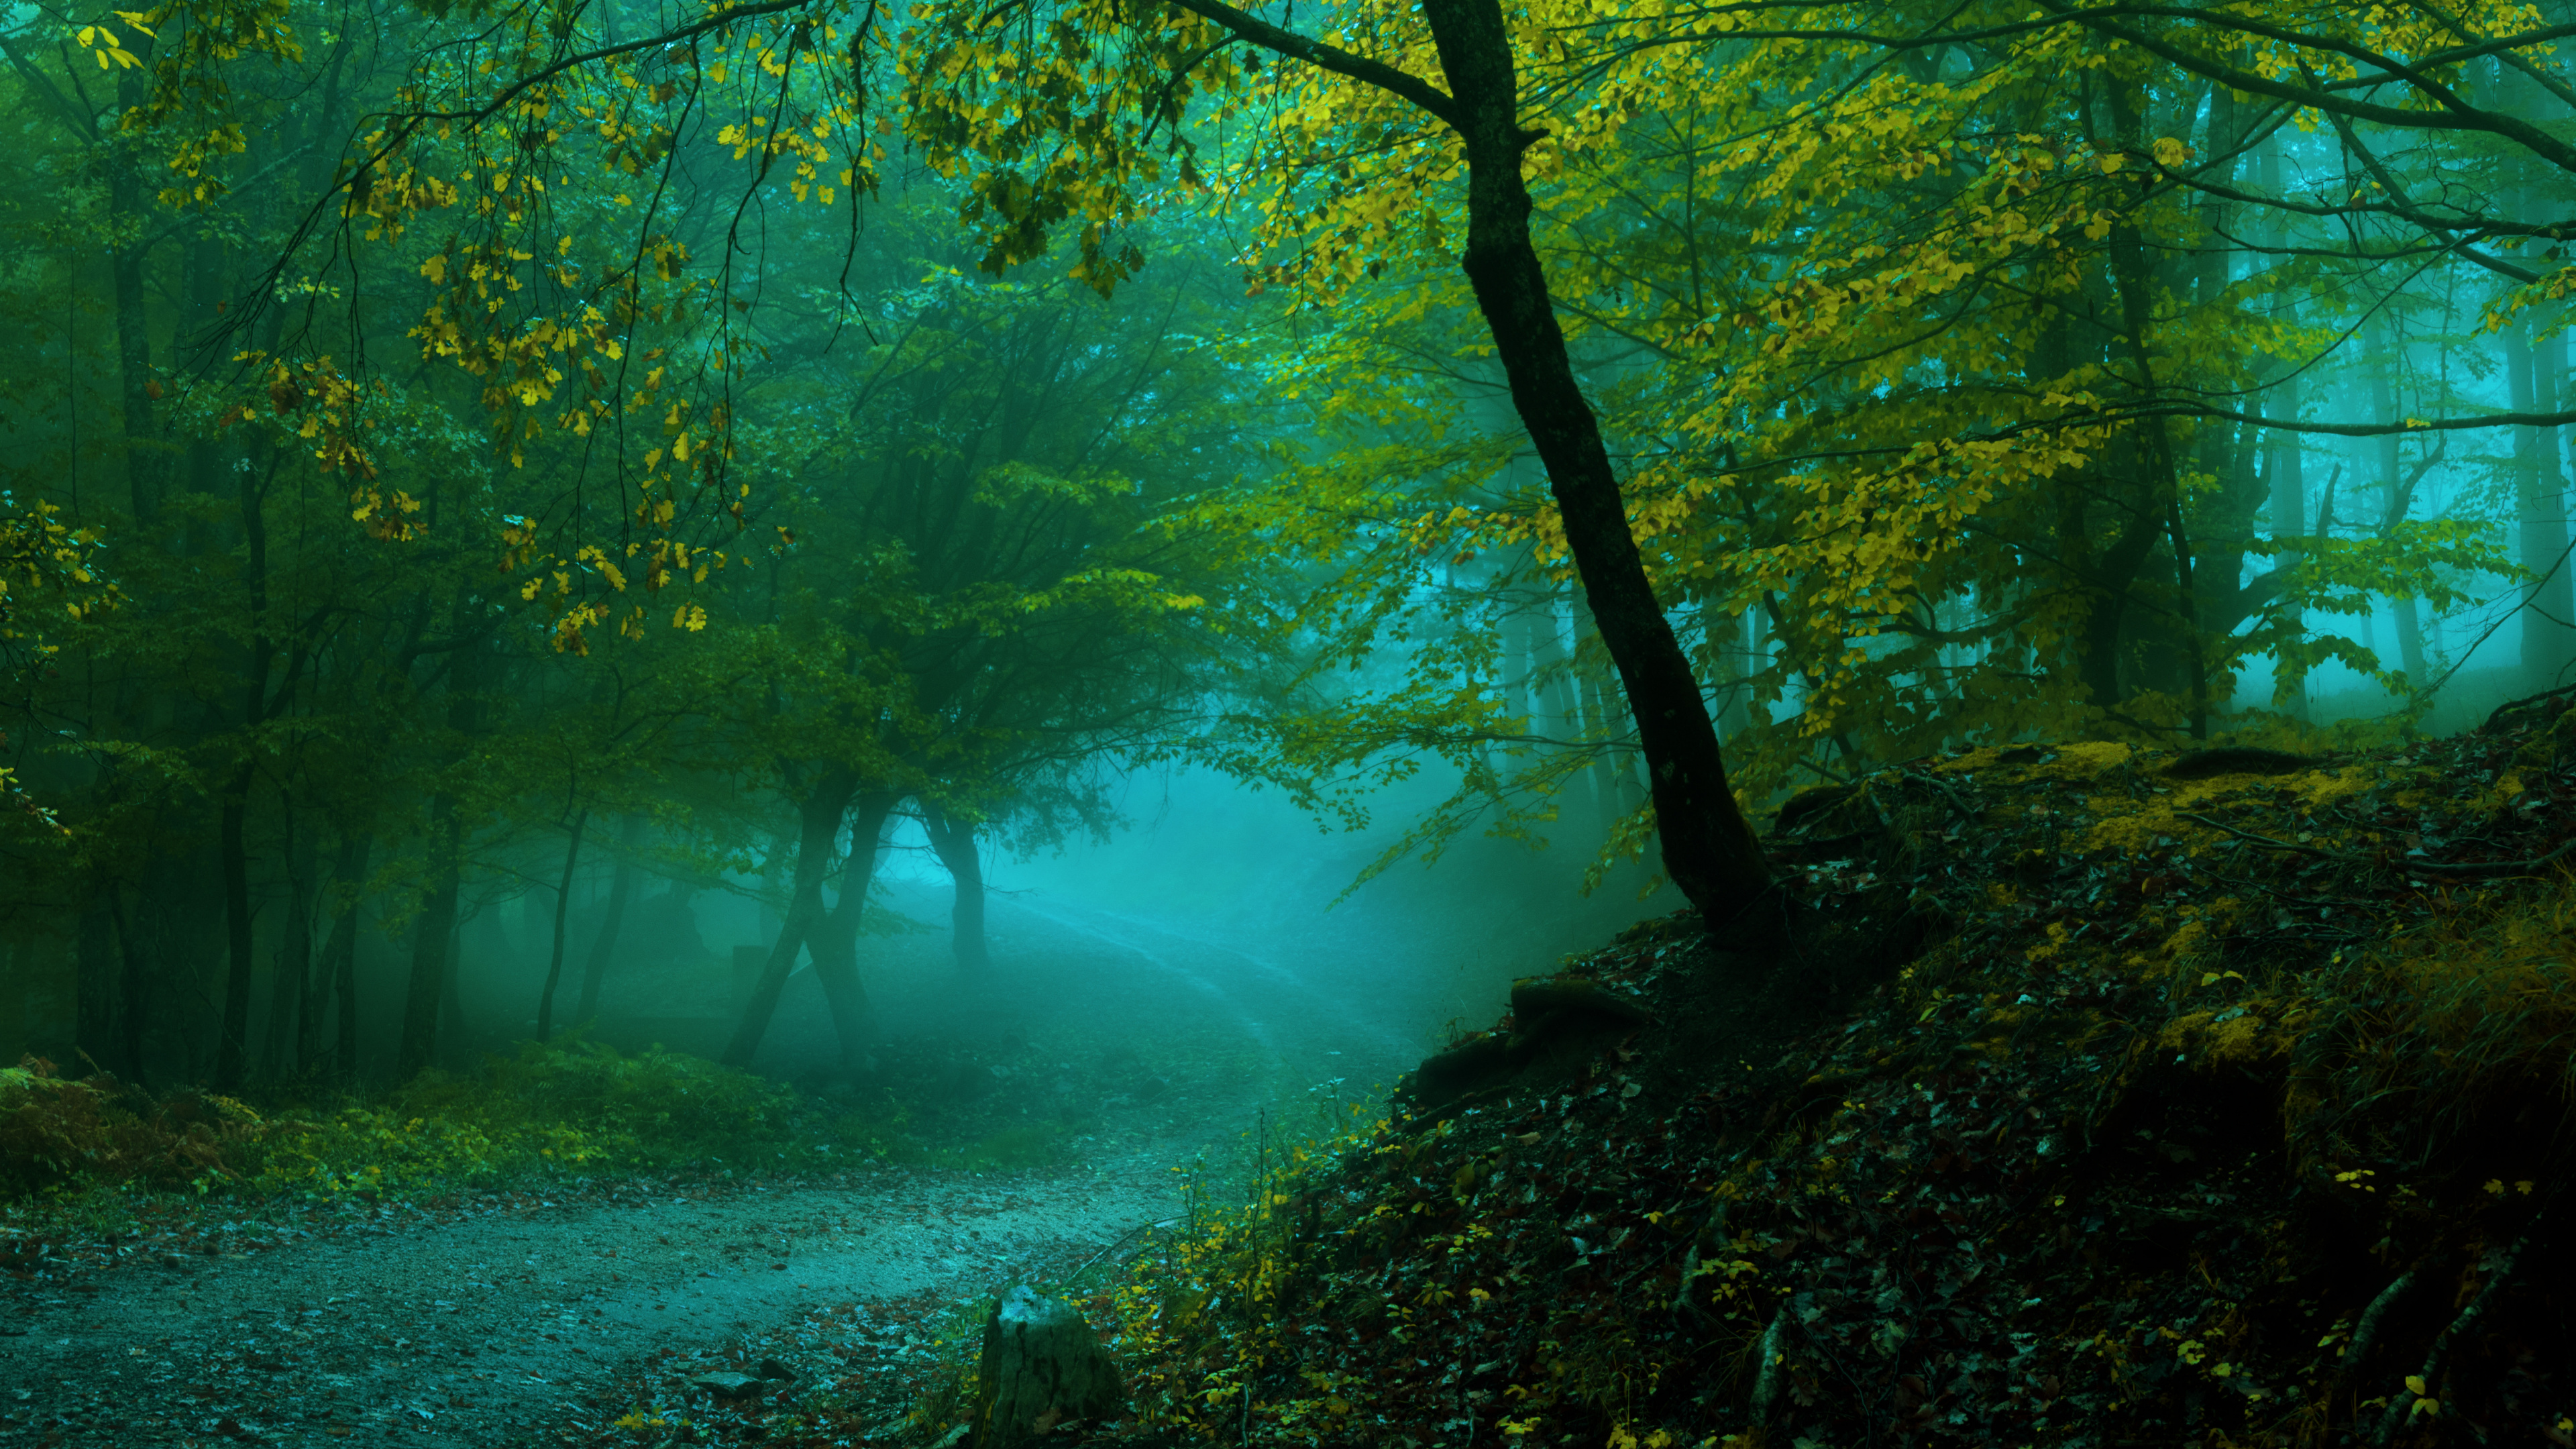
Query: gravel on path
(487,1326)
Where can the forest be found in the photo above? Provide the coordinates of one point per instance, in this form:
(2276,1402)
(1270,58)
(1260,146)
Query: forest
(974,613)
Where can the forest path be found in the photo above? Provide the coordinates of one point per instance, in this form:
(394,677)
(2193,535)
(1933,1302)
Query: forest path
(507,1319)
(485,1328)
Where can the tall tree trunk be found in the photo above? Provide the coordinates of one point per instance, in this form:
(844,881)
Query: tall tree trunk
(2283,465)
(2393,502)
(290,969)
(430,942)
(1552,695)
(232,1053)
(100,1006)
(833,944)
(1709,848)
(127,198)
(953,841)
(603,947)
(431,959)
(818,821)
(563,904)
(340,952)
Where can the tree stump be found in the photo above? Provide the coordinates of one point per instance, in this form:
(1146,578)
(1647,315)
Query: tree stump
(1041,1367)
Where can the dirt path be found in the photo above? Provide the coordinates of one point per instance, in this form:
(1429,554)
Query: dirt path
(507,1321)
(481,1330)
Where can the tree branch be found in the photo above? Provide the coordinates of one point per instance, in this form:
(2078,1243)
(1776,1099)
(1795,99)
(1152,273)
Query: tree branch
(1360,68)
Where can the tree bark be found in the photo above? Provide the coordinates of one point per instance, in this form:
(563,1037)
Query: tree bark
(603,947)
(1709,849)
(818,819)
(563,903)
(953,840)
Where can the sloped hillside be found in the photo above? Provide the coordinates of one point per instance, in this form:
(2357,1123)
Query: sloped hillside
(2076,1095)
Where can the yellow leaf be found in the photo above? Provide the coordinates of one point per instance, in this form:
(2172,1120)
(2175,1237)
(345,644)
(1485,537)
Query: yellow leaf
(435,268)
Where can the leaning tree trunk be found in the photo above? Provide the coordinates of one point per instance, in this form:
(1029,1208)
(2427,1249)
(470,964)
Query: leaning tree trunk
(953,840)
(1709,849)
(833,943)
(563,903)
(603,947)
(818,820)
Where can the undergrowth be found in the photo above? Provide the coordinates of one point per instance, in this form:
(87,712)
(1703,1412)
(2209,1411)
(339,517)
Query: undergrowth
(2225,1100)
(570,1109)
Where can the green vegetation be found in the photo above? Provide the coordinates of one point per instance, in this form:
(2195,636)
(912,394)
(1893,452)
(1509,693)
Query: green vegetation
(550,1114)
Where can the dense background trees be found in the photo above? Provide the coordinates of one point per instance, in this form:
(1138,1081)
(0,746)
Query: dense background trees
(460,453)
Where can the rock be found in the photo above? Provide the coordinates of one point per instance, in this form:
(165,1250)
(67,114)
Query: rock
(728,1385)
(1559,1023)
(1536,998)
(1041,1367)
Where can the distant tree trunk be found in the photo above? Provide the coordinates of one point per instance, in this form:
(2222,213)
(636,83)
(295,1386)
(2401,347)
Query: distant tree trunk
(1552,688)
(340,953)
(563,904)
(953,840)
(431,958)
(232,1052)
(101,1007)
(2393,503)
(2284,467)
(127,197)
(818,821)
(430,942)
(833,944)
(603,947)
(290,971)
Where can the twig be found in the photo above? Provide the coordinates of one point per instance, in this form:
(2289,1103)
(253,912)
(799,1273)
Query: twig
(1766,1383)
(2367,1327)
(1946,793)
(2475,870)
(2402,1406)
(2268,842)
(1122,1242)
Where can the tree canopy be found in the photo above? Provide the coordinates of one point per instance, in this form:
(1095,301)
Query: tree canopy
(440,427)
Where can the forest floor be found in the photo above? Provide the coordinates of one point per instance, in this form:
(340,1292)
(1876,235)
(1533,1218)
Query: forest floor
(1120,1047)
